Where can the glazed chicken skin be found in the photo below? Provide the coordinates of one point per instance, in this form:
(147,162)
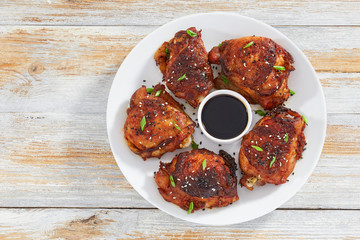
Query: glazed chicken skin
(248,66)
(187,179)
(166,127)
(270,150)
(184,63)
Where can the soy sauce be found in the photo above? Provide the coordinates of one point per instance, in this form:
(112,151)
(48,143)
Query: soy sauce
(224,117)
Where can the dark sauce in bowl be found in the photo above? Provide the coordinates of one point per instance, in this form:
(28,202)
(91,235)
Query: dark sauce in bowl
(224,117)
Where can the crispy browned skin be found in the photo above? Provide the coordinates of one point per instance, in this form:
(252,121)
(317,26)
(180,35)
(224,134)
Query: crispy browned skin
(186,55)
(269,134)
(250,71)
(216,186)
(160,134)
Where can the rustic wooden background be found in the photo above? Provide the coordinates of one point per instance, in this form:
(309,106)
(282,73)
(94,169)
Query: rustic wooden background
(58,178)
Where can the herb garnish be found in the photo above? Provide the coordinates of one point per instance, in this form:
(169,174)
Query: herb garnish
(194,145)
(260,112)
(191,207)
(177,126)
(305,120)
(191,33)
(224,78)
(291,92)
(249,44)
(167,52)
(157,93)
(220,44)
(272,161)
(281,68)
(257,148)
(204,164)
(142,123)
(286,137)
(149,90)
(182,77)
(172,181)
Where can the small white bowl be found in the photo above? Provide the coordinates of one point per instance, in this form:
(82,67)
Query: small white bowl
(229,93)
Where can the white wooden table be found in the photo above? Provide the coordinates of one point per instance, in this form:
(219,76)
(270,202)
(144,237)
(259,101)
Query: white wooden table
(58,178)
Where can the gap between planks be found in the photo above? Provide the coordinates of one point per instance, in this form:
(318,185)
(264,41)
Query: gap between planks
(154,208)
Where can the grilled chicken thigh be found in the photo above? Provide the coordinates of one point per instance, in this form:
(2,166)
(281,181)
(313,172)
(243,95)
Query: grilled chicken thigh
(256,67)
(198,179)
(184,63)
(270,150)
(156,123)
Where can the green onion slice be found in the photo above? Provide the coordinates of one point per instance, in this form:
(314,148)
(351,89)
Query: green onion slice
(281,68)
(272,161)
(257,148)
(204,164)
(260,112)
(191,207)
(177,126)
(182,77)
(249,44)
(167,52)
(142,123)
(291,92)
(220,44)
(305,119)
(157,93)
(149,90)
(224,78)
(286,137)
(194,145)
(172,181)
(191,33)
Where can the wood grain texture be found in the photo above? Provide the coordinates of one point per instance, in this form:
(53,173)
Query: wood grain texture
(58,178)
(64,160)
(74,224)
(70,69)
(120,12)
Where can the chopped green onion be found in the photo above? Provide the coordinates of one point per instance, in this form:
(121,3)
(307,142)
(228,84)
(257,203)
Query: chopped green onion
(260,112)
(157,93)
(257,148)
(272,161)
(191,33)
(177,126)
(224,78)
(204,164)
(172,181)
(305,120)
(220,44)
(286,137)
(291,92)
(191,207)
(182,77)
(149,90)
(194,145)
(142,123)
(249,44)
(281,68)
(167,52)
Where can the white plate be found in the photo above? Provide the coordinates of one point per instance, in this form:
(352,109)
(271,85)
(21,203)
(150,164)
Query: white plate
(139,65)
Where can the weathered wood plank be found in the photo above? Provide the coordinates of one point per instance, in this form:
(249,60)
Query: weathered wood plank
(70,69)
(153,224)
(64,160)
(150,12)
